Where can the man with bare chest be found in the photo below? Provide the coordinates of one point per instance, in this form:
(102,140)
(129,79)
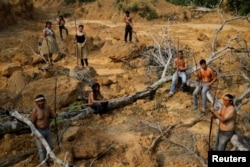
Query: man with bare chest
(206,77)
(227,118)
(40,117)
(180,65)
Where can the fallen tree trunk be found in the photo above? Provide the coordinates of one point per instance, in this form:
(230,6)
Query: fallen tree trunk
(39,137)
(15,159)
(15,126)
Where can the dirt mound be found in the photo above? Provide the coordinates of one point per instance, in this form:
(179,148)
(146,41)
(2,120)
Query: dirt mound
(133,131)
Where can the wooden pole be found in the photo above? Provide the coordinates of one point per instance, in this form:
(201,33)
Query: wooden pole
(57,138)
(177,77)
(211,120)
(76,45)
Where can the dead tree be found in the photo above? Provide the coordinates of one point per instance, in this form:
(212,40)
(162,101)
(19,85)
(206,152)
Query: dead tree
(39,137)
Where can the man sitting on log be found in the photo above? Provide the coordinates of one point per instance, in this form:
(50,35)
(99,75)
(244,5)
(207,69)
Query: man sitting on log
(40,117)
(180,64)
(206,77)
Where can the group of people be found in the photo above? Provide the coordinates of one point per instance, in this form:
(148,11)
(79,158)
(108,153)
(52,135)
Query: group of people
(42,113)
(49,44)
(205,78)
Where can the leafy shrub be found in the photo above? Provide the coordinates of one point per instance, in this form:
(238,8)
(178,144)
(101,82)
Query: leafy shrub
(239,6)
(134,7)
(152,15)
(148,13)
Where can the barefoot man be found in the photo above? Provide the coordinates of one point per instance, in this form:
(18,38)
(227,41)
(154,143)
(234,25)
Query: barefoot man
(227,117)
(40,117)
(206,77)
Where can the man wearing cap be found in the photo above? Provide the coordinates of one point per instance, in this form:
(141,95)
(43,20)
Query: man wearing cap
(227,117)
(40,117)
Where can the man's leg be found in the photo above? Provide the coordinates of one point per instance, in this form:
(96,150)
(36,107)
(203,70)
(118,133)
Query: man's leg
(205,88)
(222,140)
(195,96)
(183,79)
(174,80)
(130,34)
(41,150)
(60,29)
(126,34)
(67,32)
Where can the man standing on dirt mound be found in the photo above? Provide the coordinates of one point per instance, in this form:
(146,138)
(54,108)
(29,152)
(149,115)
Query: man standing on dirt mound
(40,117)
(129,26)
(49,44)
(180,65)
(206,77)
(227,117)
(61,24)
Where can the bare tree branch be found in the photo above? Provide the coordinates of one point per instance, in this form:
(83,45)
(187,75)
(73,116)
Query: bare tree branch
(39,136)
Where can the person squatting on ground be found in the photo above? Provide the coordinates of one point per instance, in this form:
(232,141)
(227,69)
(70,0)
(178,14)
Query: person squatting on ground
(206,77)
(129,26)
(82,49)
(49,44)
(97,101)
(227,118)
(61,24)
(180,65)
(40,117)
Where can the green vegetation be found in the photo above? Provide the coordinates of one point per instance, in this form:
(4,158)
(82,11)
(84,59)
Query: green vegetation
(141,8)
(76,106)
(59,120)
(239,6)
(134,7)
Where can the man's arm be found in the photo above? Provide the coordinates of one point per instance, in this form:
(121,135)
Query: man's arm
(33,116)
(175,64)
(185,65)
(214,77)
(227,116)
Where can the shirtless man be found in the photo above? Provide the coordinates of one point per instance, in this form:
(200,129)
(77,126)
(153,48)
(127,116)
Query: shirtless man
(227,117)
(40,117)
(61,24)
(180,64)
(206,77)
(129,26)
